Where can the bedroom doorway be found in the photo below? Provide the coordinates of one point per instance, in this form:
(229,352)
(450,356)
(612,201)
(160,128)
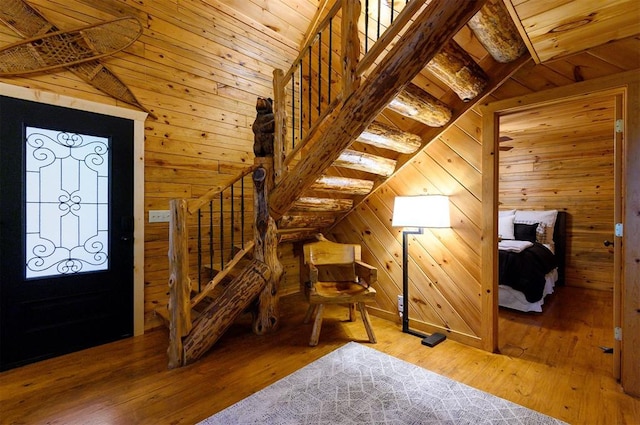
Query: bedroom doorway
(602,109)
(562,156)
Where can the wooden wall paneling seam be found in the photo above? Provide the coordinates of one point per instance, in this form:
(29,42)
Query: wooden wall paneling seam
(279,17)
(222,134)
(464,145)
(374,241)
(625,55)
(437,173)
(185,64)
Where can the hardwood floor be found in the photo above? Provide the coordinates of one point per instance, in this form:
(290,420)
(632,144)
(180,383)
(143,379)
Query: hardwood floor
(551,362)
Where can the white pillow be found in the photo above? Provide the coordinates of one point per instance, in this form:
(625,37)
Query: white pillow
(502,213)
(505,227)
(546,222)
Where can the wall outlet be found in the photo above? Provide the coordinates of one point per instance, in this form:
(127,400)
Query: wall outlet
(159,216)
(400,305)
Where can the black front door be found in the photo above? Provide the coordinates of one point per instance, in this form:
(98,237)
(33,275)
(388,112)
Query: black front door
(66,230)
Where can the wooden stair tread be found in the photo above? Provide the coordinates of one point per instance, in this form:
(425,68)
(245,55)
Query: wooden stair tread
(391,138)
(322,204)
(338,184)
(363,161)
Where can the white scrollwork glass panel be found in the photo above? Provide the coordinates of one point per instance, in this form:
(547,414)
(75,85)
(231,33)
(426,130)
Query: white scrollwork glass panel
(67,193)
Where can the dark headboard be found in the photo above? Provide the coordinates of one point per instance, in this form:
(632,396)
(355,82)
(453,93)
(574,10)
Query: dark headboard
(560,242)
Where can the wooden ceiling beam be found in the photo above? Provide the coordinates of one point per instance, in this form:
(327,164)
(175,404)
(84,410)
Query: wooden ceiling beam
(434,27)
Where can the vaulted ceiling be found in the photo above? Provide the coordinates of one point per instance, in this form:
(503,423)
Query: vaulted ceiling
(551,29)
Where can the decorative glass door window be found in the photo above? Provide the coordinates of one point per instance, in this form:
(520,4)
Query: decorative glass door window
(67,203)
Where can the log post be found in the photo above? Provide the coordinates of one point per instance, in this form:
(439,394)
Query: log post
(280,115)
(350,46)
(266,318)
(179,282)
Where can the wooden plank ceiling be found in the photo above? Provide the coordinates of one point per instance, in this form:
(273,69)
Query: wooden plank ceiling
(554,29)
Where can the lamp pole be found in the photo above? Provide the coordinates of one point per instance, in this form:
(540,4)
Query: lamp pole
(405,280)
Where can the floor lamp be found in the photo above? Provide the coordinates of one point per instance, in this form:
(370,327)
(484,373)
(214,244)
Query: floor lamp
(414,213)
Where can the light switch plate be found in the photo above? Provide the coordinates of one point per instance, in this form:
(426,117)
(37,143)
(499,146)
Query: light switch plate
(159,216)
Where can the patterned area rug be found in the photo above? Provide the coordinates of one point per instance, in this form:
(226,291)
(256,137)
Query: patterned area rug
(356,384)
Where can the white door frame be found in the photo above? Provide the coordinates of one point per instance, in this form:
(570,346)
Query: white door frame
(138,118)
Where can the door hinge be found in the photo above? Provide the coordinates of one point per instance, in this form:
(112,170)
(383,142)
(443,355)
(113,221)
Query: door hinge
(619,126)
(618,229)
(617,333)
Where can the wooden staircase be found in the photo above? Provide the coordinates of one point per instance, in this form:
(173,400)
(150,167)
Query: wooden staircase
(344,146)
(383,117)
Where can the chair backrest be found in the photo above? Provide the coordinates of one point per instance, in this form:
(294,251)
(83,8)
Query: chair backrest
(327,252)
(335,261)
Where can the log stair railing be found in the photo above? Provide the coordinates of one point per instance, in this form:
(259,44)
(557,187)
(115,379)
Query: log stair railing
(197,314)
(340,132)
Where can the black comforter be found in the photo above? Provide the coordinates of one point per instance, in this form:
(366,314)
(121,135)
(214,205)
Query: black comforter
(525,270)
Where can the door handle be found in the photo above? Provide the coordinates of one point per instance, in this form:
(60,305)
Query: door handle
(608,243)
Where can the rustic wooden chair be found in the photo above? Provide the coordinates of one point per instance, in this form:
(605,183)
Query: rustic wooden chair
(333,273)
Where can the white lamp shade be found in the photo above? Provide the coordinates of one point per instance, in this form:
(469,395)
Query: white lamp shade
(421,211)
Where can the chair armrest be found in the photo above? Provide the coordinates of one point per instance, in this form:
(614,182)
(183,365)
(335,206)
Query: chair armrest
(366,273)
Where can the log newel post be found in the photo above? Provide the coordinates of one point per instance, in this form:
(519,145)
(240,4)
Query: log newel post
(179,282)
(350,46)
(266,318)
(280,116)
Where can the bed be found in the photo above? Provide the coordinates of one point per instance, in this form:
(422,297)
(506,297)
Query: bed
(531,257)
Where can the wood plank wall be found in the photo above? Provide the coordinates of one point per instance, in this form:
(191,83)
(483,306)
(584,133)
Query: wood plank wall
(199,67)
(445,265)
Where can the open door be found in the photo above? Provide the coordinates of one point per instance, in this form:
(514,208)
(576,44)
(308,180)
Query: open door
(617,228)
